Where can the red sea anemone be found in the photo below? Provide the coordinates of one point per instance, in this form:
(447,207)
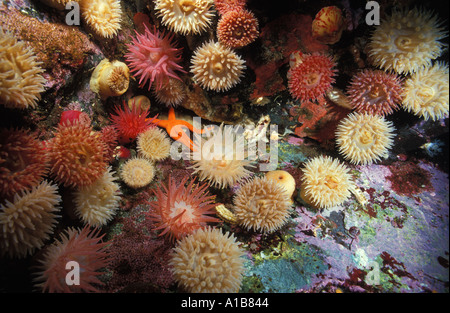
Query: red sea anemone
(130,122)
(180,209)
(23,162)
(74,116)
(109,135)
(375,92)
(81,246)
(312,77)
(153,58)
(76,155)
(237,28)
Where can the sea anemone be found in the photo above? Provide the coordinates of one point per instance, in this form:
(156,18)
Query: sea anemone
(102,16)
(77,155)
(97,203)
(208,261)
(262,205)
(375,92)
(222,159)
(171,94)
(216,67)
(110,79)
(185,16)
(237,28)
(179,210)
(406,41)
(224,6)
(153,144)
(23,161)
(312,77)
(326,182)
(137,172)
(21,82)
(130,122)
(81,246)
(426,94)
(28,221)
(153,58)
(284,179)
(364,138)
(73,116)
(328,25)
(141,101)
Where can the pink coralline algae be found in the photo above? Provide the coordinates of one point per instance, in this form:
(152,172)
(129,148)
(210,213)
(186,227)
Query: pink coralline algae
(153,58)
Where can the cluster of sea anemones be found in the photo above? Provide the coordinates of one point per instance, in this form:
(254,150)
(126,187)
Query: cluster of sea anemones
(153,58)
(375,92)
(21,82)
(261,205)
(185,16)
(406,41)
(208,261)
(426,92)
(216,67)
(311,77)
(77,249)
(180,209)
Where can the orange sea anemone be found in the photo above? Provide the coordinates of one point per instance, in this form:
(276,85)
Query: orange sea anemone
(179,210)
(237,28)
(77,155)
(85,248)
(23,161)
(208,261)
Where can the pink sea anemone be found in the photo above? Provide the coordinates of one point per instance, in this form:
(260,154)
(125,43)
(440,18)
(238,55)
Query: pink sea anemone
(130,122)
(82,246)
(179,209)
(312,77)
(153,57)
(23,161)
(375,92)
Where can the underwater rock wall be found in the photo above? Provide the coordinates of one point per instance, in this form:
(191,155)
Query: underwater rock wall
(102,161)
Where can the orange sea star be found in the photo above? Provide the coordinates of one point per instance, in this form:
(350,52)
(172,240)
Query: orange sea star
(175,130)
